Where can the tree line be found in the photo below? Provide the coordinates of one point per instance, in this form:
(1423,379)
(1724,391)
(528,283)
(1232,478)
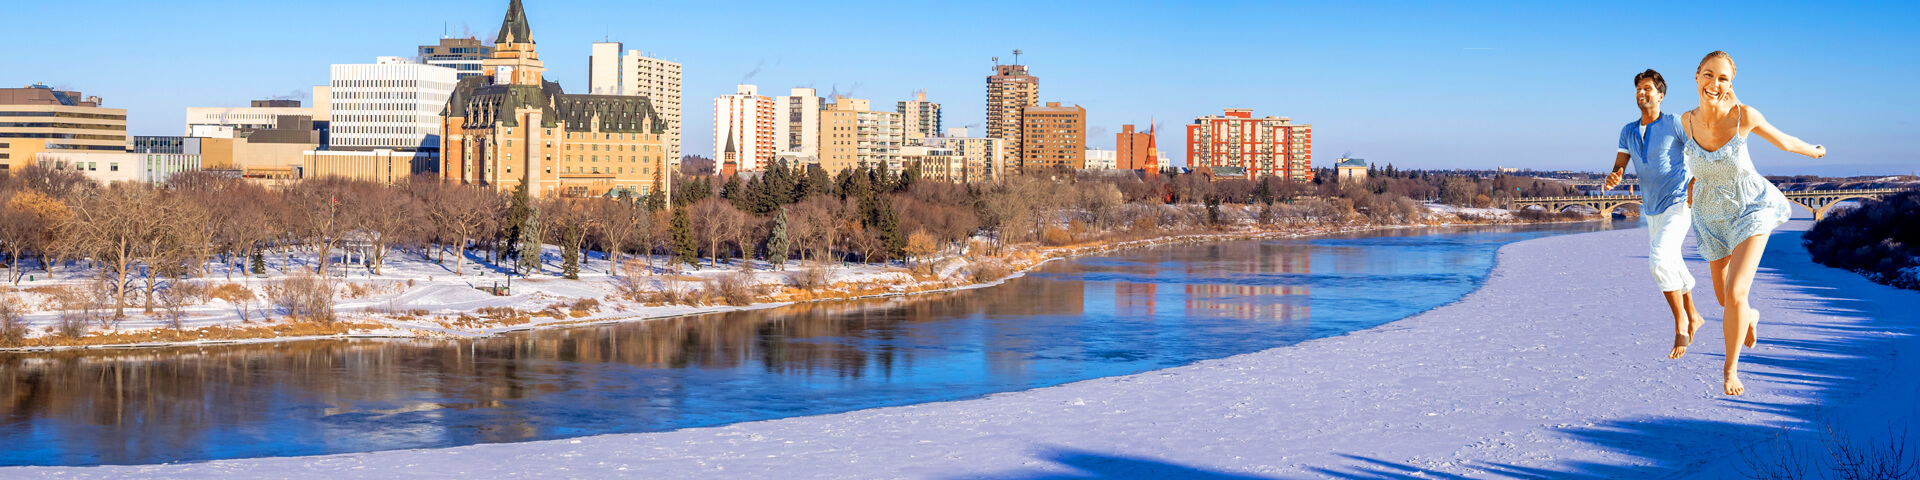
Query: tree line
(138,236)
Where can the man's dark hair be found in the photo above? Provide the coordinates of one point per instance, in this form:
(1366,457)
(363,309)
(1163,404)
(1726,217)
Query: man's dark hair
(1658,83)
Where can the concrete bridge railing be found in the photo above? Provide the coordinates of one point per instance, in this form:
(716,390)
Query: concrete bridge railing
(1817,201)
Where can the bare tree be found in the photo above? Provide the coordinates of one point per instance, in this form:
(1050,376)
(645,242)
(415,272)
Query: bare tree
(29,221)
(808,223)
(713,222)
(459,213)
(177,248)
(617,224)
(111,226)
(388,218)
(318,216)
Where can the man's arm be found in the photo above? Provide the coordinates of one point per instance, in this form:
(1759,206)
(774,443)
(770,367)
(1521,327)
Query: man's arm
(1619,169)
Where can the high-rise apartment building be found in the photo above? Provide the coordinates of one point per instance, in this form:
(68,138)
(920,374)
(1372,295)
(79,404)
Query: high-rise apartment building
(853,135)
(747,117)
(921,116)
(613,70)
(1136,150)
(796,124)
(985,157)
(1010,90)
(511,126)
(463,55)
(37,118)
(393,103)
(1238,145)
(1053,138)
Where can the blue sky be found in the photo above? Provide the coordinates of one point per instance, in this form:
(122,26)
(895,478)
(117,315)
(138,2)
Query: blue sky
(1543,85)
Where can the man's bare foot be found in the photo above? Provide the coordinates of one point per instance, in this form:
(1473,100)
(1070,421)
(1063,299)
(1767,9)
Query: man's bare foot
(1693,326)
(1753,328)
(1734,387)
(1680,344)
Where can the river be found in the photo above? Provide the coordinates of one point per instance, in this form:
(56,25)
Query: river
(1121,313)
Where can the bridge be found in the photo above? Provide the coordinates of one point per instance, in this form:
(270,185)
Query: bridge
(1594,182)
(1816,201)
(1819,201)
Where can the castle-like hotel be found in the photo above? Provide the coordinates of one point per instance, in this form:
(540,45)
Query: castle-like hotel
(509,125)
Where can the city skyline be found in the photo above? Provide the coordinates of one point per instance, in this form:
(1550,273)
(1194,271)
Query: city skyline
(1542,87)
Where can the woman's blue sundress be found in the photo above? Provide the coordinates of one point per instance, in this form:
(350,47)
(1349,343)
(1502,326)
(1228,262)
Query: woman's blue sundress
(1731,201)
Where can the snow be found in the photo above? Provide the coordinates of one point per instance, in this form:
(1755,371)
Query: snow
(1555,368)
(410,284)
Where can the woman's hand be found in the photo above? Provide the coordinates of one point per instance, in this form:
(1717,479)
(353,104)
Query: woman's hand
(1690,193)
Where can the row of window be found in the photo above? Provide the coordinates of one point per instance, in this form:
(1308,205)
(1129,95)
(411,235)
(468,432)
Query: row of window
(67,136)
(90,126)
(98,116)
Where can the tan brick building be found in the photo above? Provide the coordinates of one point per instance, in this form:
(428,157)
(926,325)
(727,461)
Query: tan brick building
(1054,138)
(37,118)
(1010,90)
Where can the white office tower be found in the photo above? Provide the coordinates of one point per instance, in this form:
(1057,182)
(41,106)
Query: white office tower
(921,117)
(796,125)
(613,70)
(746,117)
(393,103)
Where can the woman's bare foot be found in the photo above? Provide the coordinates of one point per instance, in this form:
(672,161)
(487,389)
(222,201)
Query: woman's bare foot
(1753,328)
(1680,344)
(1734,387)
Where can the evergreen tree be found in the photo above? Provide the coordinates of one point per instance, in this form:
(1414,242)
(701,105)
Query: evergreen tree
(572,235)
(882,178)
(656,201)
(519,211)
(529,242)
(259,263)
(888,222)
(819,183)
(843,182)
(907,177)
(683,248)
(859,184)
(735,192)
(777,241)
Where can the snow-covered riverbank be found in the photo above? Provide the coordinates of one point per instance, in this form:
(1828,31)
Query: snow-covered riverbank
(1555,368)
(416,298)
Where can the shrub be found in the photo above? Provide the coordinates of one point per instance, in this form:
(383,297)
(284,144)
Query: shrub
(675,292)
(240,297)
(13,324)
(1056,236)
(584,307)
(1876,240)
(812,278)
(735,288)
(984,272)
(303,297)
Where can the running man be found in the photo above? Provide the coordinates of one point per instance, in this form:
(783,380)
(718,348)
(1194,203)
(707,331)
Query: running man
(1655,144)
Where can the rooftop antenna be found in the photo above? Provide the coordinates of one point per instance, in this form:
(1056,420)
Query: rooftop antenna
(996,60)
(1016,56)
(445,28)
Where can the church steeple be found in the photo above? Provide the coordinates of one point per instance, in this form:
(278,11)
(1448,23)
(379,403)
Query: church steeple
(514,28)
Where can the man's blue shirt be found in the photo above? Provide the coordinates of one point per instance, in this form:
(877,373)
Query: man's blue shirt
(1659,161)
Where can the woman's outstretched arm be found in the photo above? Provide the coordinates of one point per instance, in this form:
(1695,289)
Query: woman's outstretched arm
(1781,139)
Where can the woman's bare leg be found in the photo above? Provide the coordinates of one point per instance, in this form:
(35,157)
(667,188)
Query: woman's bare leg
(1741,319)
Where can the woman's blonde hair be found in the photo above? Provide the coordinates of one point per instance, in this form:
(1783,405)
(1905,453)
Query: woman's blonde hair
(1717,54)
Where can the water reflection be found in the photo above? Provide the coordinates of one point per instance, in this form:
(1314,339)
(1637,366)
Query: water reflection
(1071,320)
